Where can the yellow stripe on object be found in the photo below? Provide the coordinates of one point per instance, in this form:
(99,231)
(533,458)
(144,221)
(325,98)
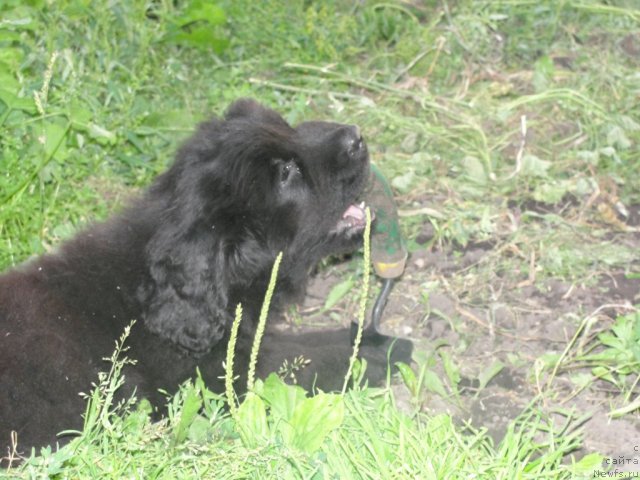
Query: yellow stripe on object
(389,270)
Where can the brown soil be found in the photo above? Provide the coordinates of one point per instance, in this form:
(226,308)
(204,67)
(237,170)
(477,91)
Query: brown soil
(440,299)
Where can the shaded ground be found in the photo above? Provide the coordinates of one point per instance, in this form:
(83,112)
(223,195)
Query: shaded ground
(457,299)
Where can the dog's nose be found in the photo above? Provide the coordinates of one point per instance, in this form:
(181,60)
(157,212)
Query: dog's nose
(352,142)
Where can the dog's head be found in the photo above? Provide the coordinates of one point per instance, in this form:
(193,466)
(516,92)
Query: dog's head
(243,188)
(299,186)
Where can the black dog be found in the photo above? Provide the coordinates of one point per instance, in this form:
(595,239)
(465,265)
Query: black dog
(201,239)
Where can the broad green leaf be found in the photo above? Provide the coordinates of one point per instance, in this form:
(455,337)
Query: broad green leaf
(550,192)
(190,408)
(201,37)
(200,10)
(358,371)
(433,383)
(8,79)
(609,152)
(534,166)
(403,182)
(589,156)
(135,421)
(11,57)
(199,430)
(408,377)
(612,341)
(618,138)
(195,27)
(251,420)
(54,141)
(338,292)
(282,398)
(488,373)
(543,71)
(165,118)
(9,36)
(587,464)
(313,419)
(80,116)
(20,18)
(64,230)
(450,369)
(17,103)
(474,169)
(604,374)
(101,134)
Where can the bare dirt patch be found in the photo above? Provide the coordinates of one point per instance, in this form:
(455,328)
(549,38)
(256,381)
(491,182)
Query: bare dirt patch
(449,299)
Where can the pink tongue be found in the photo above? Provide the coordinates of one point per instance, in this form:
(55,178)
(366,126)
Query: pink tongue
(355,212)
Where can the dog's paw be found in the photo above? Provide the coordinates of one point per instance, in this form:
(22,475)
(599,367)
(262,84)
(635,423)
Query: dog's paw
(320,360)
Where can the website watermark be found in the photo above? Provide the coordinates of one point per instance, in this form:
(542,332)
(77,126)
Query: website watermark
(615,474)
(620,466)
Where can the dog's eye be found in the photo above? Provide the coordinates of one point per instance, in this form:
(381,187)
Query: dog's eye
(288,171)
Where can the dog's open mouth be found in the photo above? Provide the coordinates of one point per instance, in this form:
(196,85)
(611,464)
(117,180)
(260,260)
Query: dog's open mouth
(353,220)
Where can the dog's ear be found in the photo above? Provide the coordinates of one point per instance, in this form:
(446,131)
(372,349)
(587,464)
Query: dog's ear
(185,302)
(193,271)
(247,108)
(211,243)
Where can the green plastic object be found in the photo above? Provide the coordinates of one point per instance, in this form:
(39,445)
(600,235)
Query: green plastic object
(388,249)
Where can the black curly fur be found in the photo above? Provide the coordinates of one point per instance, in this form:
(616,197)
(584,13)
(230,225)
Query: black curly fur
(201,239)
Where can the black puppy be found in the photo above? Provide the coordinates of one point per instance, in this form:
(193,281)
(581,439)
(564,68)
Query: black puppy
(200,240)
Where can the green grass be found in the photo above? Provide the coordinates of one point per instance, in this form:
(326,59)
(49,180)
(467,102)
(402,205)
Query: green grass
(366,437)
(441,90)
(612,355)
(514,122)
